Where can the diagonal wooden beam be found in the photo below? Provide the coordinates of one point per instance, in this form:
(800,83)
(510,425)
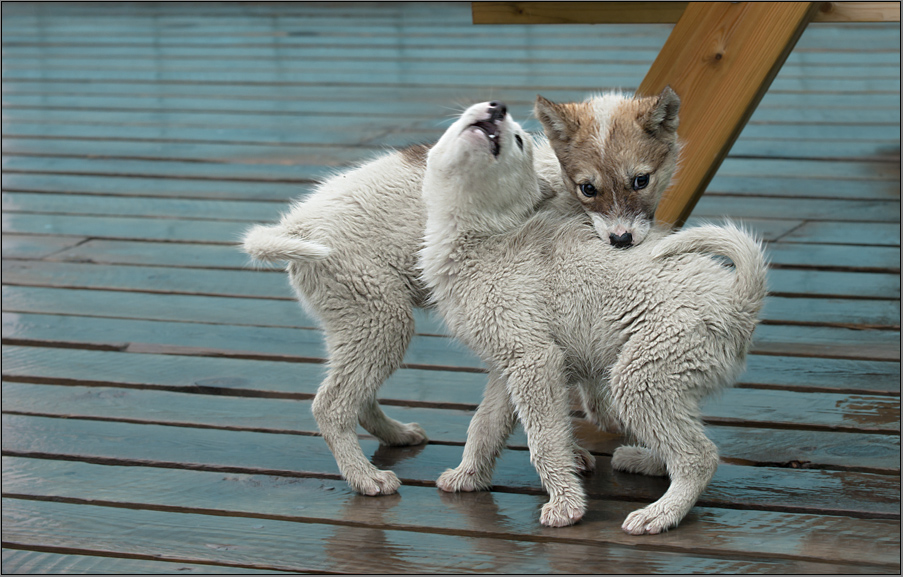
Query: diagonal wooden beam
(721,57)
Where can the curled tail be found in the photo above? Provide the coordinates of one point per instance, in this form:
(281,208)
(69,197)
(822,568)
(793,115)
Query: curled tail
(273,244)
(734,243)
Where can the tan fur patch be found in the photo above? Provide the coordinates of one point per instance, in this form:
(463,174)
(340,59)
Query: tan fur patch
(415,155)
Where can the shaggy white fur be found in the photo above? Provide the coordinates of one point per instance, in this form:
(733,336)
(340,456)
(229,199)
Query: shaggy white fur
(646,332)
(351,248)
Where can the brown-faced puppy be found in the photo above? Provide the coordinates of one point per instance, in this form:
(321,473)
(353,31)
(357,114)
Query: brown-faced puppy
(617,157)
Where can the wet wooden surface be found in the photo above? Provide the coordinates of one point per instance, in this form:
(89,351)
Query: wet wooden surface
(156,389)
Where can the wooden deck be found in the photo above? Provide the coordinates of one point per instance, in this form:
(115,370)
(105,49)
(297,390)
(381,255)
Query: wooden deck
(156,389)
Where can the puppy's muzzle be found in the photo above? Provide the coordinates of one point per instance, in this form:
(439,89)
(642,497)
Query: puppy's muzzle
(621,240)
(497,111)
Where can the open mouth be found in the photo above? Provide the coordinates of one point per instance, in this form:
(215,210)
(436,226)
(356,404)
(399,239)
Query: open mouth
(491,130)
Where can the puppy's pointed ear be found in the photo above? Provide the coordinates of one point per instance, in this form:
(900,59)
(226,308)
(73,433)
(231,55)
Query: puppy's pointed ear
(556,122)
(662,117)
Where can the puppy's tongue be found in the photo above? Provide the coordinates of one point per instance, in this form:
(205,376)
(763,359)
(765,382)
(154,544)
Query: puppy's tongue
(492,131)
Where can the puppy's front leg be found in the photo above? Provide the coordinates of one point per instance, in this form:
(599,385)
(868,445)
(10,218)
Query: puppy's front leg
(486,436)
(538,388)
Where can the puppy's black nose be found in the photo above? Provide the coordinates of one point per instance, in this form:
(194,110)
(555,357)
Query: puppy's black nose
(621,240)
(497,110)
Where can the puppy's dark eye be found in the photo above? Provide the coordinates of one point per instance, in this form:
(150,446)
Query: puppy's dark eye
(520,141)
(588,189)
(641,181)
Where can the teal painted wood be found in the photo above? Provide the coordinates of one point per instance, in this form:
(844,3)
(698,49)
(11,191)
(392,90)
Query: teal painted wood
(33,247)
(816,311)
(304,158)
(242,211)
(709,206)
(335,155)
(293,173)
(774,108)
(831,283)
(204,188)
(874,233)
(126,186)
(414,387)
(310,547)
(245,128)
(283,311)
(402,78)
(607,64)
(438,96)
(715,205)
(769,488)
(306,343)
(153,253)
(793,255)
(207,309)
(849,450)
(311,135)
(813,283)
(575,76)
(121,227)
(865,258)
(238,376)
(39,563)
(188,230)
(374,104)
(270,342)
(822,374)
(778,186)
(838,539)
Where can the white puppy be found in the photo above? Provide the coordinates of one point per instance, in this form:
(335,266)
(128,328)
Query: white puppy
(352,244)
(647,332)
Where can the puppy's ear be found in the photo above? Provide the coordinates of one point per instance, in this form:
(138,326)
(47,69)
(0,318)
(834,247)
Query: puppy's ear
(662,118)
(556,122)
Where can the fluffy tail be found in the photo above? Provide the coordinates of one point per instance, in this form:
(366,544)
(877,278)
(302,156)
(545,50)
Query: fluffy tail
(734,243)
(272,244)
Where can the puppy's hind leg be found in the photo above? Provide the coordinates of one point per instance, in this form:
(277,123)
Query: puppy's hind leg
(639,460)
(389,431)
(366,342)
(490,427)
(655,412)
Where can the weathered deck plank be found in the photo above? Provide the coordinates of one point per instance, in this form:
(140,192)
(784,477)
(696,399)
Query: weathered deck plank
(872,445)
(117,291)
(816,491)
(713,530)
(139,140)
(277,544)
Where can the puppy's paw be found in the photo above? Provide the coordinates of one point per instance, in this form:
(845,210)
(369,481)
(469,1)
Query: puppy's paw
(651,520)
(639,460)
(406,435)
(375,483)
(586,462)
(462,479)
(563,511)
